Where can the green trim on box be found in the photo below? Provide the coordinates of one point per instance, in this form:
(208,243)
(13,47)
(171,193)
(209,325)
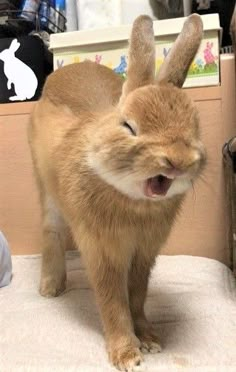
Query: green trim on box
(76,53)
(203,75)
(171,41)
(59,55)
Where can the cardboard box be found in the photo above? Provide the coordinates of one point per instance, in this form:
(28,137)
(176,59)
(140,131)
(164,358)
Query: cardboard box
(109,47)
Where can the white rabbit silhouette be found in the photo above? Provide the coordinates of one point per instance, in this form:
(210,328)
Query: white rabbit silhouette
(18,73)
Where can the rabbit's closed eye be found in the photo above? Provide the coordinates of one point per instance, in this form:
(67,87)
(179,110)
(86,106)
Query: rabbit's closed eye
(130,128)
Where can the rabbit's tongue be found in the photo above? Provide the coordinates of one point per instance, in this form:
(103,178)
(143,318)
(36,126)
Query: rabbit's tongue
(158,185)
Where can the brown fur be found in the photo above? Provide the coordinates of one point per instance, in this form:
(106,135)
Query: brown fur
(181,54)
(77,126)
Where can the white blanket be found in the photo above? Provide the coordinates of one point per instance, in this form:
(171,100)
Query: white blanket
(191,301)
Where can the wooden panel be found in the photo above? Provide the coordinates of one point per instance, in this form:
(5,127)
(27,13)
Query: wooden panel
(201,228)
(16,108)
(228,96)
(204,94)
(19,209)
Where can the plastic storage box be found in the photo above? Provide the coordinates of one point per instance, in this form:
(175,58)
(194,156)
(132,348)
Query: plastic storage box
(109,47)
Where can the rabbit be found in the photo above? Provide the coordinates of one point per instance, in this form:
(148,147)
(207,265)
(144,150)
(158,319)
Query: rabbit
(113,160)
(19,74)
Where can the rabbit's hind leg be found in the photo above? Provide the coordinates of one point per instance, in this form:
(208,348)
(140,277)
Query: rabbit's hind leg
(55,238)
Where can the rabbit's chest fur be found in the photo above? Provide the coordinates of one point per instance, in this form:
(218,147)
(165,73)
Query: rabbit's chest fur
(118,225)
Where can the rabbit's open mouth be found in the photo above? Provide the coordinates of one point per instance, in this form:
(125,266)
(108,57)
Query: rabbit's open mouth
(158,185)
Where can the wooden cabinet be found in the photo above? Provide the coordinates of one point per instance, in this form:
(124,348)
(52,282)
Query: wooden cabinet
(202,226)
(19,208)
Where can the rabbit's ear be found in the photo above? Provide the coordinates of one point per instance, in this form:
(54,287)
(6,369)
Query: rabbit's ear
(14,45)
(141,56)
(175,67)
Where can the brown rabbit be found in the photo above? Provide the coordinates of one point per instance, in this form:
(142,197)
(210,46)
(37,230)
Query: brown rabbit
(113,162)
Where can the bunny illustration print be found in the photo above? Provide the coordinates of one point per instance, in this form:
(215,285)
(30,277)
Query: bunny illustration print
(18,73)
(208,55)
(121,69)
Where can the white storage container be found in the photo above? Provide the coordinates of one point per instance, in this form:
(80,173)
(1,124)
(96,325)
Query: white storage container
(109,47)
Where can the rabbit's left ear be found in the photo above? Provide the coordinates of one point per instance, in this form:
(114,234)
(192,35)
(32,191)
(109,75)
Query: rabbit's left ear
(14,45)
(175,67)
(141,56)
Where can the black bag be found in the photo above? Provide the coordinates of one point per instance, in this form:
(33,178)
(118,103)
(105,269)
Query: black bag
(229,156)
(24,65)
(225,9)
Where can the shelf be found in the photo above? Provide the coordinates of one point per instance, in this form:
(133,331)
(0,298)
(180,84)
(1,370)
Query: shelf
(197,94)
(15,22)
(20,108)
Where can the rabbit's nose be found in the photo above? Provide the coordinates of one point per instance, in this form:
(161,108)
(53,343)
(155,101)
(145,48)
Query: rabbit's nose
(171,164)
(177,166)
(173,168)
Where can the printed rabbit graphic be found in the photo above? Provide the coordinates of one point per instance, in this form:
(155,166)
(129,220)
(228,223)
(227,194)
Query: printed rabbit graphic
(18,73)
(122,66)
(208,55)
(98,58)
(165,52)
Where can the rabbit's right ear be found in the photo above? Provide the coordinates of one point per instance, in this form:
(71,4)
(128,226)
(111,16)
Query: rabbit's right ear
(14,45)
(141,56)
(176,64)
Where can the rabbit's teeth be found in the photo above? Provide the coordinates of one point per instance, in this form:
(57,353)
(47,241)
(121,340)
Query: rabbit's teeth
(157,186)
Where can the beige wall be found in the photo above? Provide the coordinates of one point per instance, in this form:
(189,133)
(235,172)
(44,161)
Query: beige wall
(202,227)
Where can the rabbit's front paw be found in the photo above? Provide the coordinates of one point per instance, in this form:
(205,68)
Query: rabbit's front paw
(150,345)
(149,341)
(125,357)
(52,287)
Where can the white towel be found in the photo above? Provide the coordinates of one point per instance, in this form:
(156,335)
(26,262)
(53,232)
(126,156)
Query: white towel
(191,302)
